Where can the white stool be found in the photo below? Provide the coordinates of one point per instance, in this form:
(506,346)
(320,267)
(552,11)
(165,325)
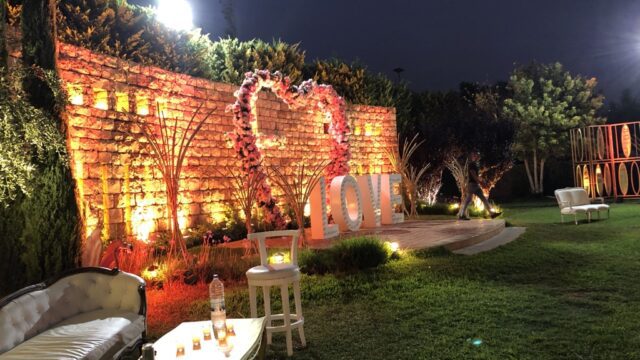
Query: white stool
(267,275)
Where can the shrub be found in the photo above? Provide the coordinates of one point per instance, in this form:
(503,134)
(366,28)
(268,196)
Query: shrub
(316,261)
(359,253)
(436,209)
(349,255)
(446,209)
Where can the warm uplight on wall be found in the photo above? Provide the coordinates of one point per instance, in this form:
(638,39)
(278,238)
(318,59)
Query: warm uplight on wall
(162,108)
(75,94)
(122,101)
(142,221)
(175,14)
(100,99)
(142,105)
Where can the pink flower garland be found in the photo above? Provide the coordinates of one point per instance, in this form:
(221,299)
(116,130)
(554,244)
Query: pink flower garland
(307,94)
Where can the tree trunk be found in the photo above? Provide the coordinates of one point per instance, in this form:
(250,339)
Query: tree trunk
(535,177)
(540,181)
(532,186)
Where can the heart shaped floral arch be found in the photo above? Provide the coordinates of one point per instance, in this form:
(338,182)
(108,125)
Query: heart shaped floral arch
(308,95)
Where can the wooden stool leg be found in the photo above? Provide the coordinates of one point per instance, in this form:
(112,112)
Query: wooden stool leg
(252,301)
(284,291)
(266,293)
(296,297)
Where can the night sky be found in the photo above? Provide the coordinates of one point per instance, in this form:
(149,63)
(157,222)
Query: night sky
(440,43)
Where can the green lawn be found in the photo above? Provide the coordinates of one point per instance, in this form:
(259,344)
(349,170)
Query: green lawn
(560,291)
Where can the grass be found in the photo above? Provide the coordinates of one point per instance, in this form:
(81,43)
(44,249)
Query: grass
(560,291)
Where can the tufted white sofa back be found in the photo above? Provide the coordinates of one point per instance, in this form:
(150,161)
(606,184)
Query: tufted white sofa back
(37,311)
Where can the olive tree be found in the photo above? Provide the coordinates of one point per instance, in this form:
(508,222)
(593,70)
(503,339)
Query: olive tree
(546,101)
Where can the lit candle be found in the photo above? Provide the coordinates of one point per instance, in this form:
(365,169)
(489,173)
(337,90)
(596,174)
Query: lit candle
(179,350)
(206,333)
(196,342)
(278,258)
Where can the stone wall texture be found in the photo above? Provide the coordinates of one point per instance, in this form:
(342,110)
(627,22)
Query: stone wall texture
(119,187)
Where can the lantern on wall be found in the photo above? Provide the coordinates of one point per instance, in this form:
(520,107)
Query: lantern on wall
(101,99)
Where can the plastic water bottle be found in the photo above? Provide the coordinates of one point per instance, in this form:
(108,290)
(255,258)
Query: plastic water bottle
(218,312)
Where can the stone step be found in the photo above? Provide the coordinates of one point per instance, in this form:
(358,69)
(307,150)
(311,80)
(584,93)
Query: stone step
(506,236)
(476,232)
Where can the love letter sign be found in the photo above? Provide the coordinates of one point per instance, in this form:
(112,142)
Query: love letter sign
(366,201)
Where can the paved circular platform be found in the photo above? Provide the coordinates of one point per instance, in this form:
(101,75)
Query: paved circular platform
(414,234)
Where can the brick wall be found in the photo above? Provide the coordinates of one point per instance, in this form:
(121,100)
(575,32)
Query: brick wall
(122,193)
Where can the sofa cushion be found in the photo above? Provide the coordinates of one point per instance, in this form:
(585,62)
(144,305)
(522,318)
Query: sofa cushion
(587,208)
(573,210)
(92,335)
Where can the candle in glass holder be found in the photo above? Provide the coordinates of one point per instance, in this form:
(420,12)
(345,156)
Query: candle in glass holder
(206,333)
(196,342)
(231,334)
(277,258)
(220,333)
(179,350)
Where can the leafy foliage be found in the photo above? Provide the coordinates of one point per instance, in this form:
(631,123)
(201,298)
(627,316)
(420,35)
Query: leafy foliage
(546,102)
(131,32)
(354,82)
(231,58)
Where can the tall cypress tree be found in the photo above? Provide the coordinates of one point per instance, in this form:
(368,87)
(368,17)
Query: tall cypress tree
(3,33)
(39,48)
(50,236)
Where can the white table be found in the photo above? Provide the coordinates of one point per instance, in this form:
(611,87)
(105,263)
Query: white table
(246,345)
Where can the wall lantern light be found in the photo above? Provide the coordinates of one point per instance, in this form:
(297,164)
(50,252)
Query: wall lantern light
(75,94)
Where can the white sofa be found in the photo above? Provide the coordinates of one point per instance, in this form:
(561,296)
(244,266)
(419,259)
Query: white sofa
(87,313)
(574,201)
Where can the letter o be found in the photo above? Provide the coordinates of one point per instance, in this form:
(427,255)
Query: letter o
(346,203)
